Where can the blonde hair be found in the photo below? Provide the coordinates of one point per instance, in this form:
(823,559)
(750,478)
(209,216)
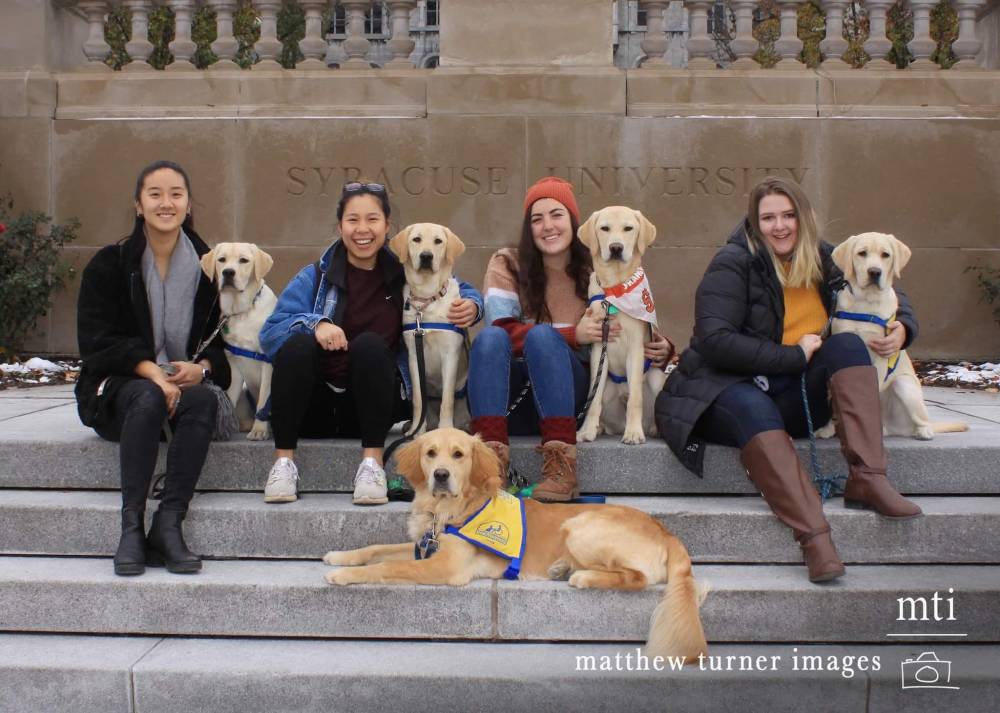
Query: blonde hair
(804,267)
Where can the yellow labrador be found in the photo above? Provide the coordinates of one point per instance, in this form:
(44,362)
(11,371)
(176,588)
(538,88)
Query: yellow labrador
(428,252)
(238,269)
(593,546)
(617,237)
(870,262)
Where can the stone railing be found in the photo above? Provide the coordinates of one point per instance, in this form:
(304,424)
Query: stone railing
(701,46)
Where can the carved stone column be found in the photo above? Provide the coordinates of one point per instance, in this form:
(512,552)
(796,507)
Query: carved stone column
(401,45)
(968,45)
(700,44)
(182,47)
(744,45)
(834,45)
(313,45)
(139,47)
(922,46)
(95,48)
(225,45)
(878,45)
(655,43)
(356,45)
(789,46)
(268,47)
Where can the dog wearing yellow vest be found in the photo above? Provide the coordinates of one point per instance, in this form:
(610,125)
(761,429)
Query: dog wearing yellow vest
(464,527)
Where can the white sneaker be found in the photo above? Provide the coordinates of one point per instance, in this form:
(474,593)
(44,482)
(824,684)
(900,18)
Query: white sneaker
(369,484)
(280,486)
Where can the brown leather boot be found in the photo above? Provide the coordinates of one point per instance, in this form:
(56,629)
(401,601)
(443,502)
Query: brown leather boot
(503,453)
(773,465)
(859,427)
(558,473)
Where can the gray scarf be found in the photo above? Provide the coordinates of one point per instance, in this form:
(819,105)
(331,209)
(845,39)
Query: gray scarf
(171,301)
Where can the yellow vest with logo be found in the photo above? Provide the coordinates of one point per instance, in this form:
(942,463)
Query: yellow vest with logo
(500,527)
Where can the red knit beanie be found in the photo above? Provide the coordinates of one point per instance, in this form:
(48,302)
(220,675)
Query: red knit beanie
(555,188)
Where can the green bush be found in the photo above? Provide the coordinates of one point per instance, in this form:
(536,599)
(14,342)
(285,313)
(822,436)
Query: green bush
(988,279)
(30,270)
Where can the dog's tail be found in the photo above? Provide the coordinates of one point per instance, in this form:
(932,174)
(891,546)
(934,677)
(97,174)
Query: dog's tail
(675,627)
(949,426)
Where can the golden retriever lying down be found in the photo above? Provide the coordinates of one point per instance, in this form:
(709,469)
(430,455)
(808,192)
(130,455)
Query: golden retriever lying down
(594,546)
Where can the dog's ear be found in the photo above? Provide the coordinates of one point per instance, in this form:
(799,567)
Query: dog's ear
(587,233)
(455,247)
(408,463)
(399,242)
(485,473)
(262,263)
(208,264)
(647,232)
(843,257)
(901,254)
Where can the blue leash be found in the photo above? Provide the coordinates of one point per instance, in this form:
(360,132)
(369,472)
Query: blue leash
(828,485)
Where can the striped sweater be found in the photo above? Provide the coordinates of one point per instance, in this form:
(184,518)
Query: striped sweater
(503,301)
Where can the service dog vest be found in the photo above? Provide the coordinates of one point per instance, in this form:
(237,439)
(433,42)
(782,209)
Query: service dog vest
(633,297)
(499,526)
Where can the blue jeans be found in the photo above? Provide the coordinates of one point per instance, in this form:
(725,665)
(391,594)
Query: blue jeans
(743,410)
(559,381)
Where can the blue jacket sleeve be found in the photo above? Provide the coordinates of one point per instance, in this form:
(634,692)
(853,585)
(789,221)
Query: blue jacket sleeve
(293,314)
(469,292)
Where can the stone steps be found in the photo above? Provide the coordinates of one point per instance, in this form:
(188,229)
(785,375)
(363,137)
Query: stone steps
(748,603)
(954,529)
(90,674)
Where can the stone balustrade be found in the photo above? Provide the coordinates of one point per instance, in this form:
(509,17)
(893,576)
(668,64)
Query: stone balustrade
(709,47)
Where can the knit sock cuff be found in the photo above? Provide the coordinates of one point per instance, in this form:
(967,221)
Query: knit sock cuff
(559,428)
(491,428)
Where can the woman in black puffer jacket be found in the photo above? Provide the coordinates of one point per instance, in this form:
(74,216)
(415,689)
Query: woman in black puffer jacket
(759,311)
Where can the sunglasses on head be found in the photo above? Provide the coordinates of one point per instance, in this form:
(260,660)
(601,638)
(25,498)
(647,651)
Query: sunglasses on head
(357,187)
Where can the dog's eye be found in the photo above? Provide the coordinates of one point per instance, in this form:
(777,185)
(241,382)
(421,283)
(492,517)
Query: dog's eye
(244,260)
(438,241)
(629,228)
(431,453)
(863,253)
(605,228)
(222,259)
(416,239)
(885,255)
(457,455)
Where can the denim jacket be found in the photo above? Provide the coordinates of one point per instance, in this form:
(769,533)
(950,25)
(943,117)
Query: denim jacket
(309,299)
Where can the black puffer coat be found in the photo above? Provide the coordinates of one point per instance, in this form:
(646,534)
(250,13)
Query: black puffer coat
(115,330)
(739,322)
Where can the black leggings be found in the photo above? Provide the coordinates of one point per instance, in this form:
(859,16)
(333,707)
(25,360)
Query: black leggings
(136,421)
(303,405)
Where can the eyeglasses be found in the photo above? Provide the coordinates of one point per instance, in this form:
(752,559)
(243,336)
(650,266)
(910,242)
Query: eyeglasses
(356,187)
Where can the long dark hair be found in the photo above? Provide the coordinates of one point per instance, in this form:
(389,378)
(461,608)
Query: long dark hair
(188,223)
(530,271)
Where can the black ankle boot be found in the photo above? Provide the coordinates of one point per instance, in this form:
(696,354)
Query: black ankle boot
(165,544)
(130,559)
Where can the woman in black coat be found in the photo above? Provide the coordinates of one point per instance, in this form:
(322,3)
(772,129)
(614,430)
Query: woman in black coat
(144,311)
(759,311)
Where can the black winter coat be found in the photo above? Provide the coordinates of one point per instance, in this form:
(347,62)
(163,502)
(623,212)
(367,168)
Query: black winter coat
(739,322)
(115,330)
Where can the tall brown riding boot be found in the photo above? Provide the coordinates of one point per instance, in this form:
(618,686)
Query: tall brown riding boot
(558,473)
(774,467)
(859,427)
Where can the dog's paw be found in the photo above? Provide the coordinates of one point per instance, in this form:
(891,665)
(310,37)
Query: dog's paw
(341,576)
(338,558)
(261,431)
(633,436)
(586,434)
(581,579)
(560,570)
(924,433)
(827,431)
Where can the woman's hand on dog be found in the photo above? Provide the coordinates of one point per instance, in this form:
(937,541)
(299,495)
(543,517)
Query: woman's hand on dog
(330,337)
(659,351)
(462,313)
(891,343)
(588,330)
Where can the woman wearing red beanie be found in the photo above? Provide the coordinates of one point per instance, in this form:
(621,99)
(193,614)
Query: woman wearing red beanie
(536,309)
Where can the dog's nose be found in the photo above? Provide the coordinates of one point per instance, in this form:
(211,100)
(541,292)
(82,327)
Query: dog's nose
(441,476)
(229,272)
(874,272)
(616,250)
(426,259)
